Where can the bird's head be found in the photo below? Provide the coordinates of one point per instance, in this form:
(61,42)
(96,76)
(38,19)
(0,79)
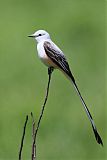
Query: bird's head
(40,35)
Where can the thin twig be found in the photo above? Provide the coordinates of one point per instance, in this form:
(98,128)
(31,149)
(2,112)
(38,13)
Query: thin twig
(22,140)
(33,133)
(50,70)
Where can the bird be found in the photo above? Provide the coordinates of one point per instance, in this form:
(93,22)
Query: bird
(52,56)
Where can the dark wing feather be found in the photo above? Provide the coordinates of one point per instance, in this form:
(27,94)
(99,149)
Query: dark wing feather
(58,58)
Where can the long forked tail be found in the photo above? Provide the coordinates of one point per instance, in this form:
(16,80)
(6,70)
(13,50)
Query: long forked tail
(57,58)
(97,136)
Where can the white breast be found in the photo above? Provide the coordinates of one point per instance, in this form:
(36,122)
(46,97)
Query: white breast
(41,51)
(43,56)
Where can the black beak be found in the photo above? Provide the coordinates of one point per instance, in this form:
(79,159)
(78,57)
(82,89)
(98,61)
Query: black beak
(31,36)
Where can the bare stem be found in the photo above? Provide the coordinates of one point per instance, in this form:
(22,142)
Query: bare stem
(22,140)
(33,133)
(50,70)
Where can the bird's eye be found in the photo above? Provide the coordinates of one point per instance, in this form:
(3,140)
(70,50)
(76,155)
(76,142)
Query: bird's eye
(40,34)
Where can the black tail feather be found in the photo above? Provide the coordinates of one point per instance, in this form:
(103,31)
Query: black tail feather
(97,136)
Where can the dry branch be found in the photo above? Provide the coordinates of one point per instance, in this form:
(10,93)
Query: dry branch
(50,70)
(22,140)
(33,133)
(34,127)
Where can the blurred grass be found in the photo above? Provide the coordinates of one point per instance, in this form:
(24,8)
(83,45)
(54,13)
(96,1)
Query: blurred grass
(78,27)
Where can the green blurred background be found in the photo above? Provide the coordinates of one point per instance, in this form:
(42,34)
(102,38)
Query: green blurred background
(78,27)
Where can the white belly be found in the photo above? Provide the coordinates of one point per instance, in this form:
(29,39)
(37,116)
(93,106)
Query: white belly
(43,56)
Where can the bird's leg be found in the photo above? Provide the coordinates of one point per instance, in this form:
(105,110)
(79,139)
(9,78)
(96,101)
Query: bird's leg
(50,70)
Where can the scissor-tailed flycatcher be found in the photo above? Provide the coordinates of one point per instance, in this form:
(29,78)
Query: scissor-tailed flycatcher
(52,56)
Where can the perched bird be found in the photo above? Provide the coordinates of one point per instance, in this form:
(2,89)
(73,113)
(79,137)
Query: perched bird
(52,56)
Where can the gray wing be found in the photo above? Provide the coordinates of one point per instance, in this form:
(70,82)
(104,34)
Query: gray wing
(58,58)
